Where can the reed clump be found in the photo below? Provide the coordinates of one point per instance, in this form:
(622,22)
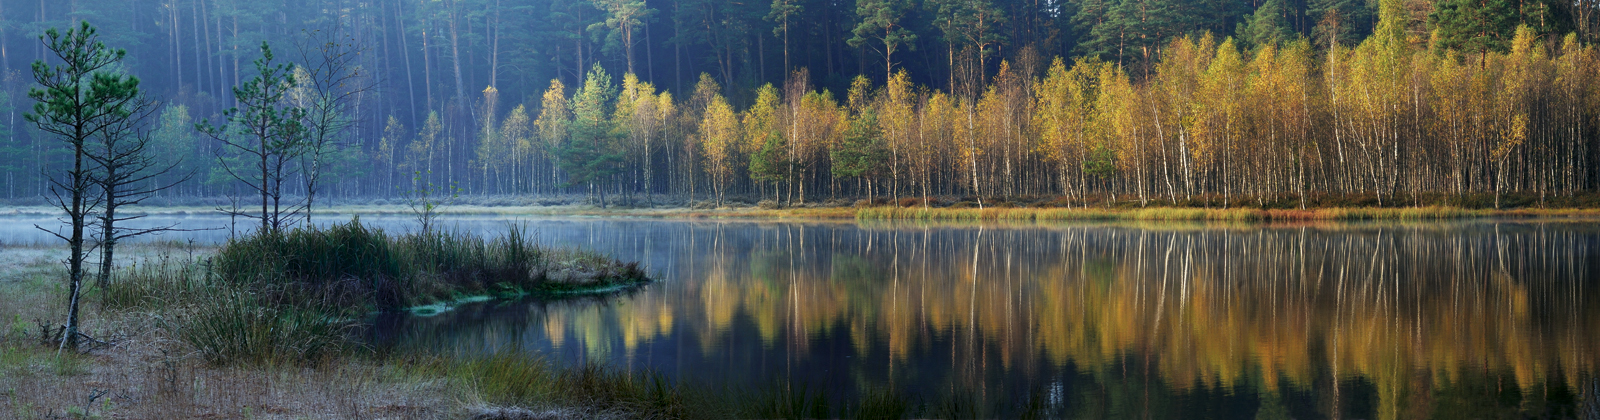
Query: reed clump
(358,266)
(293,297)
(230,323)
(592,390)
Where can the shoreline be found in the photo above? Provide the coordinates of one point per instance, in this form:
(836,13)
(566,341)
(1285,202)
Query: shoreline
(920,213)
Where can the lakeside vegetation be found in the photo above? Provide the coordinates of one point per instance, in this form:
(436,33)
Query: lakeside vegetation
(292,295)
(175,341)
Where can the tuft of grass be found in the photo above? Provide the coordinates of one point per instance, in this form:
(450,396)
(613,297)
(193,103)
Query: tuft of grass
(882,404)
(158,284)
(788,402)
(68,364)
(232,325)
(509,379)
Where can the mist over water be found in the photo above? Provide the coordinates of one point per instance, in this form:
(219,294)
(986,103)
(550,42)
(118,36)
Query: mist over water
(1375,320)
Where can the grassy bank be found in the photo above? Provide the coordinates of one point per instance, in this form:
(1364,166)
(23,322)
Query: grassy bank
(268,327)
(188,341)
(293,296)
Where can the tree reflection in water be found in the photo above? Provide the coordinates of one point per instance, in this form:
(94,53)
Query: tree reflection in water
(1306,321)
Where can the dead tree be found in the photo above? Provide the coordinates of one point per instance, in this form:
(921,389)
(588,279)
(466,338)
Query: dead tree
(332,81)
(124,174)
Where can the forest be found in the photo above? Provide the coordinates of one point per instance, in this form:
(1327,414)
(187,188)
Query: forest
(800,101)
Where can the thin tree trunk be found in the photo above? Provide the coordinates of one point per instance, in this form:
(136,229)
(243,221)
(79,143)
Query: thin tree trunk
(194,12)
(494,55)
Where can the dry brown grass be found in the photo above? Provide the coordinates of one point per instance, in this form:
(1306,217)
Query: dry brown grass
(144,374)
(148,373)
(142,378)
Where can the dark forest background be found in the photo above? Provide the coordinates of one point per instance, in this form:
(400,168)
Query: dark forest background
(456,70)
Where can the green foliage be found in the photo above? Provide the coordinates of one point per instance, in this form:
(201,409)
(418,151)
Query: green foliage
(862,152)
(623,17)
(82,96)
(1345,21)
(770,162)
(287,297)
(1133,31)
(265,137)
(173,144)
(593,153)
(881,21)
(1101,161)
(1268,25)
(1479,26)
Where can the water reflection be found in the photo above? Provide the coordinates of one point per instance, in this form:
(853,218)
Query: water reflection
(1385,321)
(1448,320)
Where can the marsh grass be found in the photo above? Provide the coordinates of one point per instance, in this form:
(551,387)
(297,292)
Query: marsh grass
(225,322)
(234,326)
(357,267)
(517,380)
(293,297)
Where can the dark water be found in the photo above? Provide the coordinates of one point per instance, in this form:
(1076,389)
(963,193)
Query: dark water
(1390,321)
(1447,320)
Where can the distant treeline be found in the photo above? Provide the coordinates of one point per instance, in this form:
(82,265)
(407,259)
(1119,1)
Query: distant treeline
(1412,103)
(1384,118)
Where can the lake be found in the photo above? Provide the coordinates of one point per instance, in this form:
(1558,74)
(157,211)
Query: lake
(1158,320)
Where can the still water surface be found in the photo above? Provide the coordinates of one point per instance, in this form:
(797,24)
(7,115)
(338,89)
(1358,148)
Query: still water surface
(1395,321)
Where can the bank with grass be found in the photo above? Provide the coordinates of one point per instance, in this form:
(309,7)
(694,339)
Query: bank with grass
(271,326)
(294,295)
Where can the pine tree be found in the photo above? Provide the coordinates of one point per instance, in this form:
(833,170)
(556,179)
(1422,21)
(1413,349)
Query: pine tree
(82,97)
(881,21)
(1268,25)
(266,137)
(1477,26)
(862,152)
(592,155)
